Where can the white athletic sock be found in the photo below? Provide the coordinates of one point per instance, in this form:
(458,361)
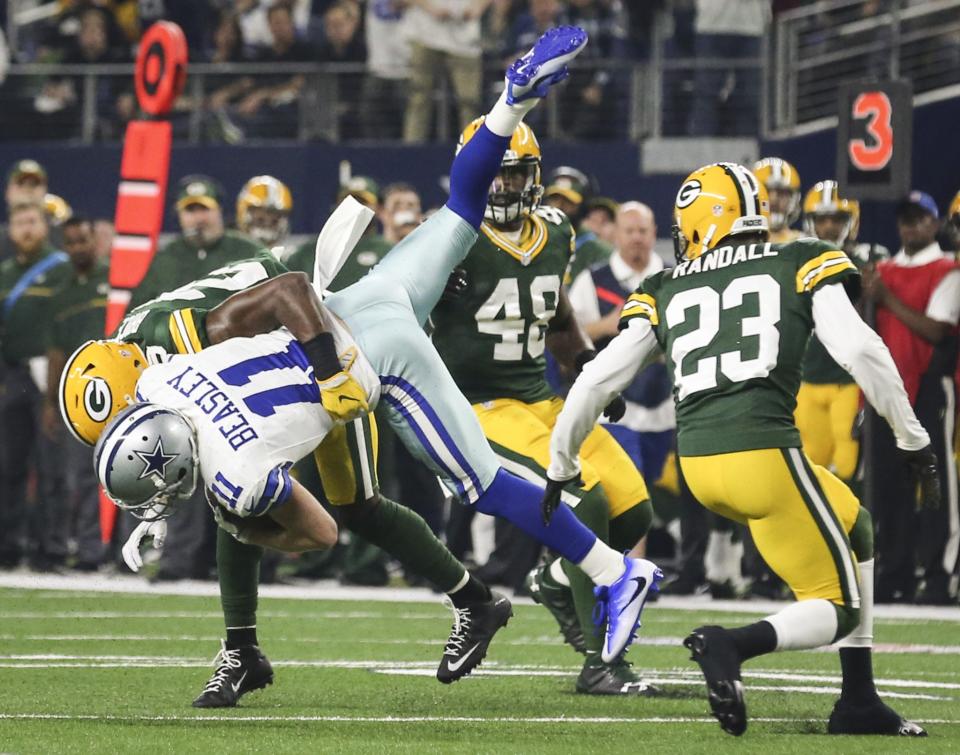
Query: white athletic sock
(805,624)
(558,574)
(862,636)
(602,564)
(461,584)
(503,118)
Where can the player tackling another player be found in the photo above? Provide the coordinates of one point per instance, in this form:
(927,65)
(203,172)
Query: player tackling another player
(244,410)
(733,319)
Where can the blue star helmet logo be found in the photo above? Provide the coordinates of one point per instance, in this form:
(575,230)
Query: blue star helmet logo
(155,462)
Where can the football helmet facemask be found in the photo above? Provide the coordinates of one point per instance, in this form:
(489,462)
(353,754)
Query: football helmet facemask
(263,210)
(146,460)
(517,189)
(99,379)
(824,199)
(783,189)
(714,202)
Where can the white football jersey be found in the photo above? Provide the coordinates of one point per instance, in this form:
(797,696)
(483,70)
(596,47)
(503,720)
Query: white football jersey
(256,408)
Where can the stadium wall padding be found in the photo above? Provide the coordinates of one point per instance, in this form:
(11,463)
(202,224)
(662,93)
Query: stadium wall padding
(87,175)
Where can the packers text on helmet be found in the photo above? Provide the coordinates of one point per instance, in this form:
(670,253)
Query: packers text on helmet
(263,209)
(716,201)
(783,189)
(824,201)
(99,380)
(518,187)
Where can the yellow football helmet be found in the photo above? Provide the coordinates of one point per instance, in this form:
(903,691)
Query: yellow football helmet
(518,187)
(953,213)
(270,194)
(783,188)
(714,202)
(99,379)
(824,199)
(57,209)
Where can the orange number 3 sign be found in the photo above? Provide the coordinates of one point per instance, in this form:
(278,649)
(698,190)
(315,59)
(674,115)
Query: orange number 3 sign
(876,109)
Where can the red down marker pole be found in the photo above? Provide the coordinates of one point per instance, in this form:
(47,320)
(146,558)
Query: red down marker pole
(160,74)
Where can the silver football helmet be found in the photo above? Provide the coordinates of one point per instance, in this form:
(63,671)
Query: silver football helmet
(146,459)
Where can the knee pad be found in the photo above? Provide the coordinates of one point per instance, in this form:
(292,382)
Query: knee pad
(628,528)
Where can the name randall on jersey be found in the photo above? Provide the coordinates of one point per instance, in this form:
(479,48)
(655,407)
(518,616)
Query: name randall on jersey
(724,256)
(214,402)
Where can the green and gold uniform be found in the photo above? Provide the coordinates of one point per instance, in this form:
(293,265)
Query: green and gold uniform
(734,325)
(370,249)
(492,340)
(175,323)
(180,262)
(829,399)
(589,252)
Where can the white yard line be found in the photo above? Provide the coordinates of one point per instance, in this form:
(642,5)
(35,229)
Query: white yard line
(95,584)
(415,719)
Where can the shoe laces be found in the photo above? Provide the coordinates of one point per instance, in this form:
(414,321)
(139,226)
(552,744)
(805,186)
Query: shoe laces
(225,662)
(462,620)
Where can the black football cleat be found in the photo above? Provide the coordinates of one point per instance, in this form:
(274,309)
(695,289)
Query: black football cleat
(617,678)
(871,717)
(714,651)
(558,600)
(236,673)
(473,629)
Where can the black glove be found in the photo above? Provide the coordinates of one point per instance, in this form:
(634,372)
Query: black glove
(551,496)
(457,284)
(923,471)
(613,411)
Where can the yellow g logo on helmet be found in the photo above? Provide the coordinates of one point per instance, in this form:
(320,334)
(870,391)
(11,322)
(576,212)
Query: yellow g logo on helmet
(99,379)
(716,201)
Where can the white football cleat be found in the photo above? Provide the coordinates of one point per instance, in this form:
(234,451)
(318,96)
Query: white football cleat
(545,65)
(621,603)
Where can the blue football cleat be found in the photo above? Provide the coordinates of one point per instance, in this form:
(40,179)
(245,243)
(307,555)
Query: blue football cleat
(545,65)
(620,605)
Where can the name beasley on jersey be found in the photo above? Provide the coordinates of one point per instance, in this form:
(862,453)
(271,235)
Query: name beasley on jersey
(724,257)
(238,432)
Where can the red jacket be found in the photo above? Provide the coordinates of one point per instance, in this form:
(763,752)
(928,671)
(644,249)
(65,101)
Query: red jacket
(913,286)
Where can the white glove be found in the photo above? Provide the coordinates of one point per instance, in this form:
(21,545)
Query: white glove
(131,549)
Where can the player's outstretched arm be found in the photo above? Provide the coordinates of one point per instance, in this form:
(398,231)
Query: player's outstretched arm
(285,301)
(602,379)
(290,301)
(861,352)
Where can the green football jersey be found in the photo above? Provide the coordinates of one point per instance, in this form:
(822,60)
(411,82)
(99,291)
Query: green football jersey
(492,337)
(734,325)
(175,322)
(819,367)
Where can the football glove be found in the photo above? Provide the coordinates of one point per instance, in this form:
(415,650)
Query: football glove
(613,411)
(551,496)
(131,549)
(923,469)
(341,395)
(457,284)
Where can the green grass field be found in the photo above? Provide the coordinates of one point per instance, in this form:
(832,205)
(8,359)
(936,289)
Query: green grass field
(110,672)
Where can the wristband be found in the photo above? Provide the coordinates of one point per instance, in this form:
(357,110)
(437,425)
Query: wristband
(321,351)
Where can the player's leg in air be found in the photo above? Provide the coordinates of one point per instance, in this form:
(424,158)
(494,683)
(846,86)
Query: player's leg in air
(385,312)
(811,530)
